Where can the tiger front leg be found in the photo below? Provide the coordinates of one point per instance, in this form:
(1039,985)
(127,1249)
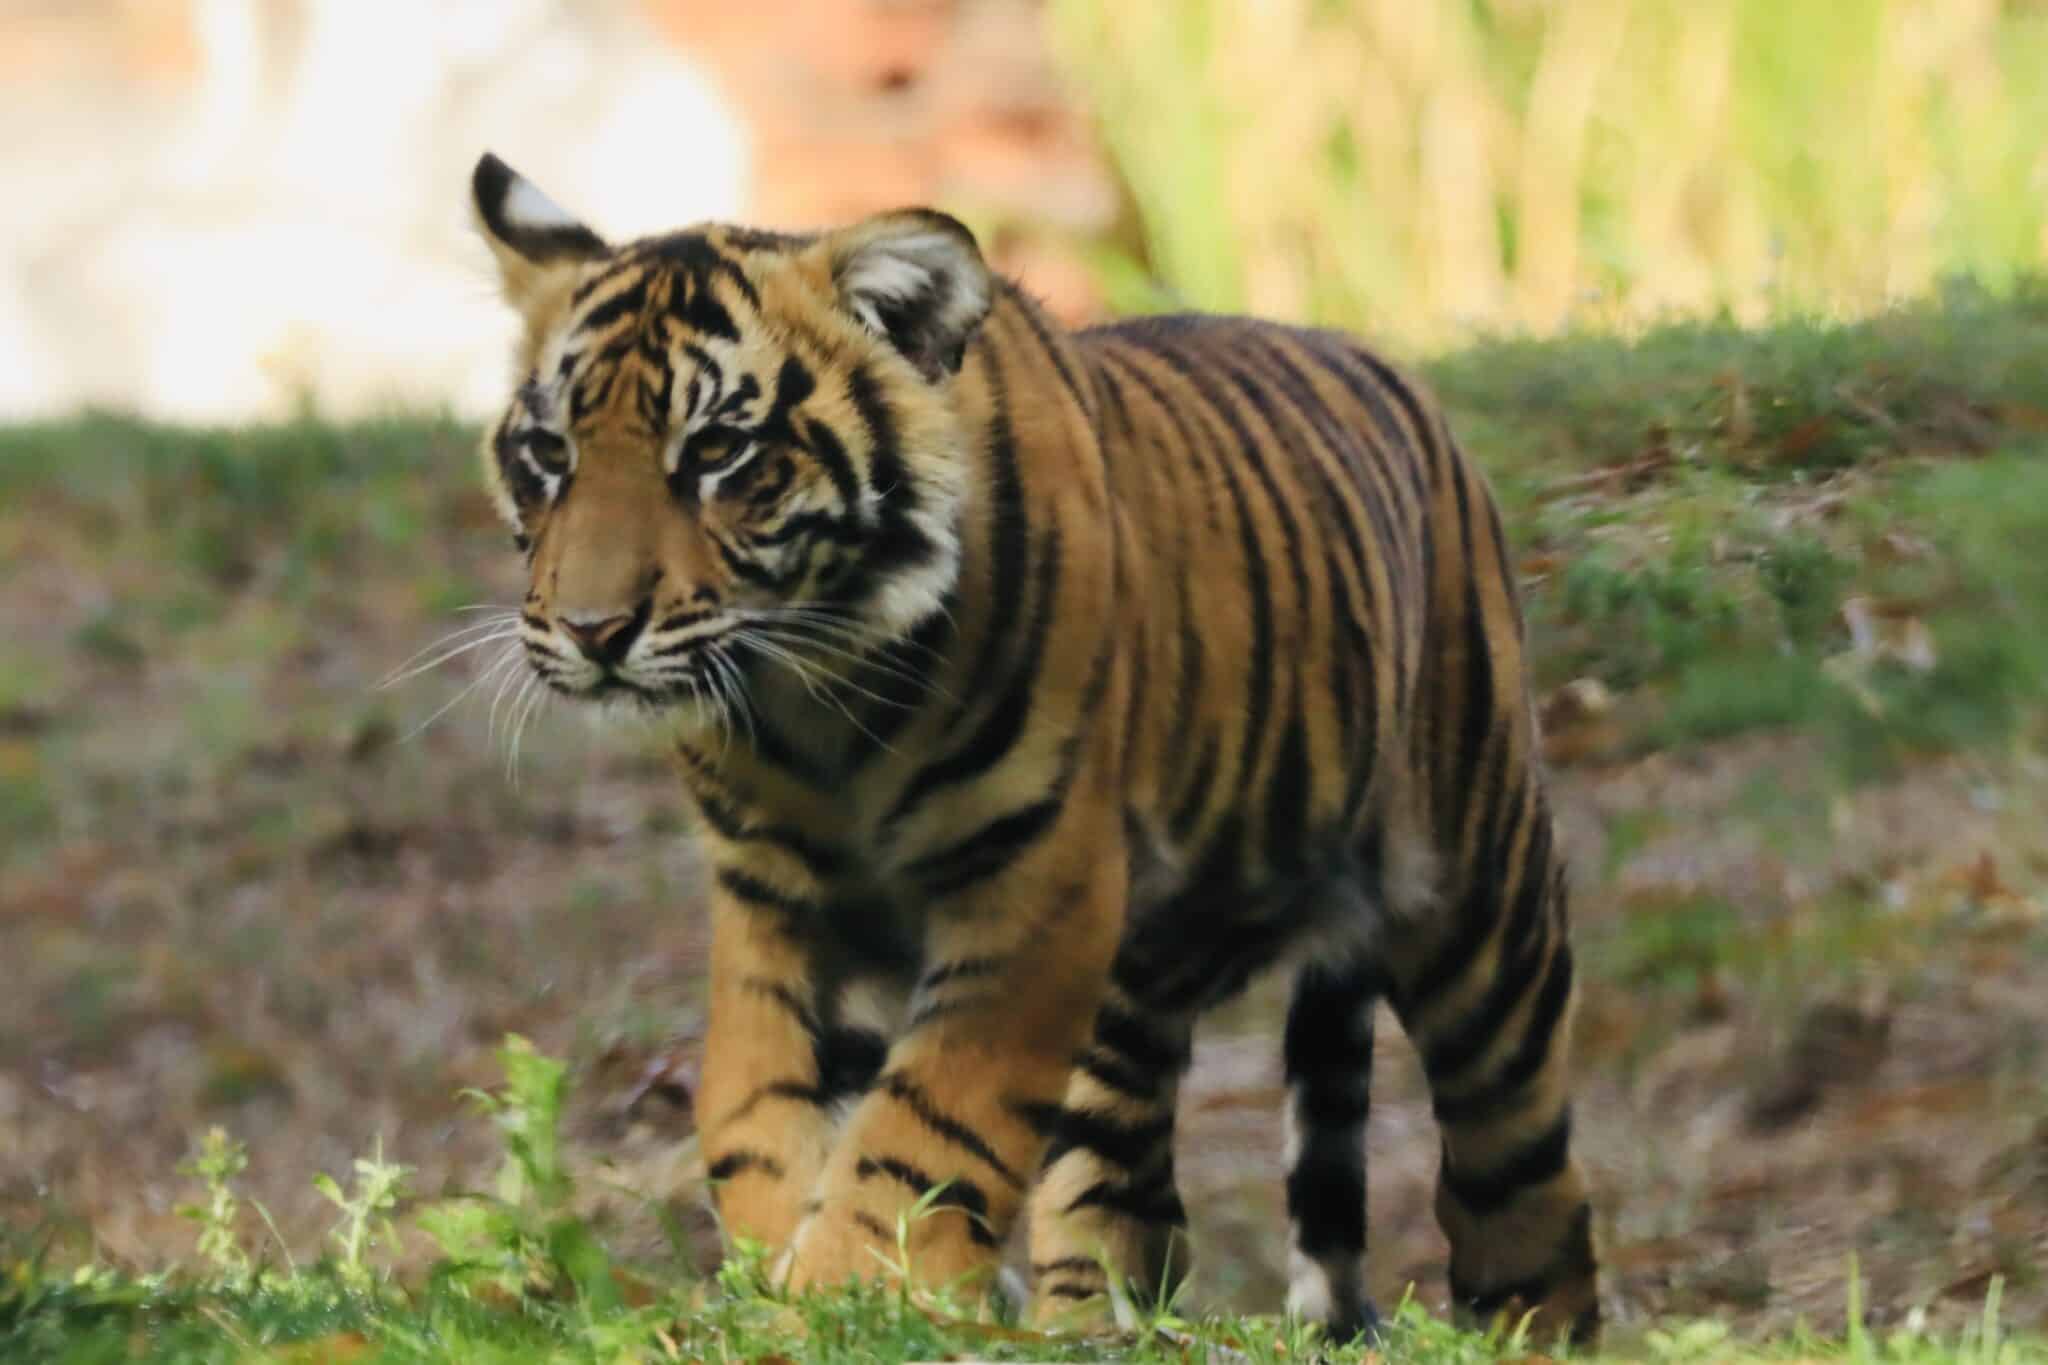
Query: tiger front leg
(764,1105)
(942,1148)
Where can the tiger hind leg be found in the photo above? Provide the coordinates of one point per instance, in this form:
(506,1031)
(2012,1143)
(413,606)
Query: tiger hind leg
(1488,1005)
(1327,1053)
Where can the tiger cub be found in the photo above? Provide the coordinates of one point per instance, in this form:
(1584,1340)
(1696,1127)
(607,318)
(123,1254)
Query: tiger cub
(1036,689)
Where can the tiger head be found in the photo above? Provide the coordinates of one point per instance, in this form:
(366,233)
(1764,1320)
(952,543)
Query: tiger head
(726,443)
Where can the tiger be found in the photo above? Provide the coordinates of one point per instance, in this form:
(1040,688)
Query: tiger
(1034,690)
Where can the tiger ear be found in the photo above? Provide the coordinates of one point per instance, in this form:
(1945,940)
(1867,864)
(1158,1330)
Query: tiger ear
(916,279)
(537,243)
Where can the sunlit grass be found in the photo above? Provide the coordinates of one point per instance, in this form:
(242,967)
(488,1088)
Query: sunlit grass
(1427,169)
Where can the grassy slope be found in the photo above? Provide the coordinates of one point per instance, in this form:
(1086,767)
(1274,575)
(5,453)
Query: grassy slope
(1694,513)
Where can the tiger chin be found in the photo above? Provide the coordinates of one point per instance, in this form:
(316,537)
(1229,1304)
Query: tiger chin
(1035,690)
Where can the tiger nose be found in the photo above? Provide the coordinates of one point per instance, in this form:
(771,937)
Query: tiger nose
(606,639)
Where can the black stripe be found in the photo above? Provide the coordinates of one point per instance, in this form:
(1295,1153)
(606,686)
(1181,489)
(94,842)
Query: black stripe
(1194,802)
(1260,684)
(1081,1264)
(701,261)
(1003,724)
(744,392)
(1115,1074)
(773,747)
(702,312)
(1540,1160)
(802,1092)
(912,1096)
(872,1225)
(1152,1200)
(784,995)
(722,816)
(1128,1035)
(987,851)
(1356,620)
(848,1061)
(1054,351)
(617,307)
(825,446)
(751,889)
(1479,907)
(1326,1195)
(897,542)
(1479,708)
(1009,547)
(1288,837)
(1188,685)
(1129,1145)
(1398,444)
(1538,1035)
(1517,956)
(742,1161)
(962,968)
(1327,1049)
(958,1193)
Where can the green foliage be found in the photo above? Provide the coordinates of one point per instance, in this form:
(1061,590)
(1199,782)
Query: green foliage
(365,1214)
(524,1236)
(219,1160)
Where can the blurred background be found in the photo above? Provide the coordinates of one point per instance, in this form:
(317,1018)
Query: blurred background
(1737,299)
(1427,170)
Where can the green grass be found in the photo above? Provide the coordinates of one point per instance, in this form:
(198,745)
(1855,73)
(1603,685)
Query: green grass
(1696,510)
(522,1279)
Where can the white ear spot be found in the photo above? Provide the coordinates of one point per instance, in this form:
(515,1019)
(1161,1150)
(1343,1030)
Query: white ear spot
(924,268)
(918,281)
(526,209)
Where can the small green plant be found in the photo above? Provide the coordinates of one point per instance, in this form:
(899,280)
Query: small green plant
(365,1213)
(218,1161)
(524,1238)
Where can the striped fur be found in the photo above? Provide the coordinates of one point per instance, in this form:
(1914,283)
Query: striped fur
(1036,690)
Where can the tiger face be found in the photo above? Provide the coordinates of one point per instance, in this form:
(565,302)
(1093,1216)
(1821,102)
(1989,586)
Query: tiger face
(726,446)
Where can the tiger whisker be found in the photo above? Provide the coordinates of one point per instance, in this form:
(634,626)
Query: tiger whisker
(483,676)
(510,676)
(794,632)
(737,687)
(802,669)
(848,626)
(758,634)
(483,633)
(522,705)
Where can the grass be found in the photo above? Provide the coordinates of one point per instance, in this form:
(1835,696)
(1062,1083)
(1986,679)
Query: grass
(1798,562)
(522,1278)
(1432,170)
(1699,509)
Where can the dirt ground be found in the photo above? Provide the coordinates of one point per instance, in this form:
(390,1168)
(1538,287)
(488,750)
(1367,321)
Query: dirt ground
(236,889)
